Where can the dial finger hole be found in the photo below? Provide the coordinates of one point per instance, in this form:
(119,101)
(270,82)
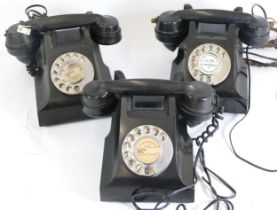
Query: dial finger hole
(127,156)
(139,168)
(148,170)
(76,88)
(209,80)
(146,130)
(138,131)
(68,88)
(131,163)
(75,56)
(156,131)
(67,56)
(131,137)
(127,146)
(163,137)
(61,85)
(57,65)
(201,77)
(82,59)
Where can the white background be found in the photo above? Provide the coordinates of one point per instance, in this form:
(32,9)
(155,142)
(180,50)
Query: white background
(59,167)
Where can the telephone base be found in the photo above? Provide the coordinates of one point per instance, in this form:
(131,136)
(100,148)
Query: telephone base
(118,183)
(52,116)
(124,194)
(234,89)
(53,105)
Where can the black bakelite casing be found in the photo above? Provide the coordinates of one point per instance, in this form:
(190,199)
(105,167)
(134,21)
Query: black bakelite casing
(53,106)
(188,28)
(117,182)
(51,37)
(170,105)
(234,89)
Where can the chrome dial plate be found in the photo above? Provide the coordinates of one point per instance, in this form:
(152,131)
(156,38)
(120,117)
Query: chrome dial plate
(209,63)
(70,72)
(147,150)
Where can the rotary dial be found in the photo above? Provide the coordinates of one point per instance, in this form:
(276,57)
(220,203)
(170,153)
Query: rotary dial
(70,72)
(147,150)
(209,63)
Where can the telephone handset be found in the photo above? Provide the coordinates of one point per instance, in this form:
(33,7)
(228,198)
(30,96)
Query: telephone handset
(147,148)
(62,53)
(209,50)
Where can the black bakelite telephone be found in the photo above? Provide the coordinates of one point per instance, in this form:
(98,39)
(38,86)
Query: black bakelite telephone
(148,148)
(62,53)
(209,50)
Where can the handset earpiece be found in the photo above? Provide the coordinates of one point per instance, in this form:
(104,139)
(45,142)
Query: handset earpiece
(198,103)
(255,32)
(106,30)
(21,45)
(171,29)
(96,101)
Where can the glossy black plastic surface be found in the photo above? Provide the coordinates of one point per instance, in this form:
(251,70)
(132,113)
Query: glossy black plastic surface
(53,106)
(51,37)
(20,45)
(234,89)
(224,28)
(157,103)
(171,25)
(117,182)
(106,31)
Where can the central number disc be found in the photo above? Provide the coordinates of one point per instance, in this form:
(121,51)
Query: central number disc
(70,72)
(73,73)
(209,63)
(147,150)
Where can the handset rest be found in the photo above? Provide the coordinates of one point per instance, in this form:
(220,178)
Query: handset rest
(215,16)
(59,22)
(195,99)
(103,29)
(172,26)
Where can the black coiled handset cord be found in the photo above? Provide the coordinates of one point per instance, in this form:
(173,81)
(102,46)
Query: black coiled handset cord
(207,178)
(34,11)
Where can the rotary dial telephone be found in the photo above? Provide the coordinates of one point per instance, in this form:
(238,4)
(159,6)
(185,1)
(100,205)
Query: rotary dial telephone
(62,53)
(209,46)
(148,149)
